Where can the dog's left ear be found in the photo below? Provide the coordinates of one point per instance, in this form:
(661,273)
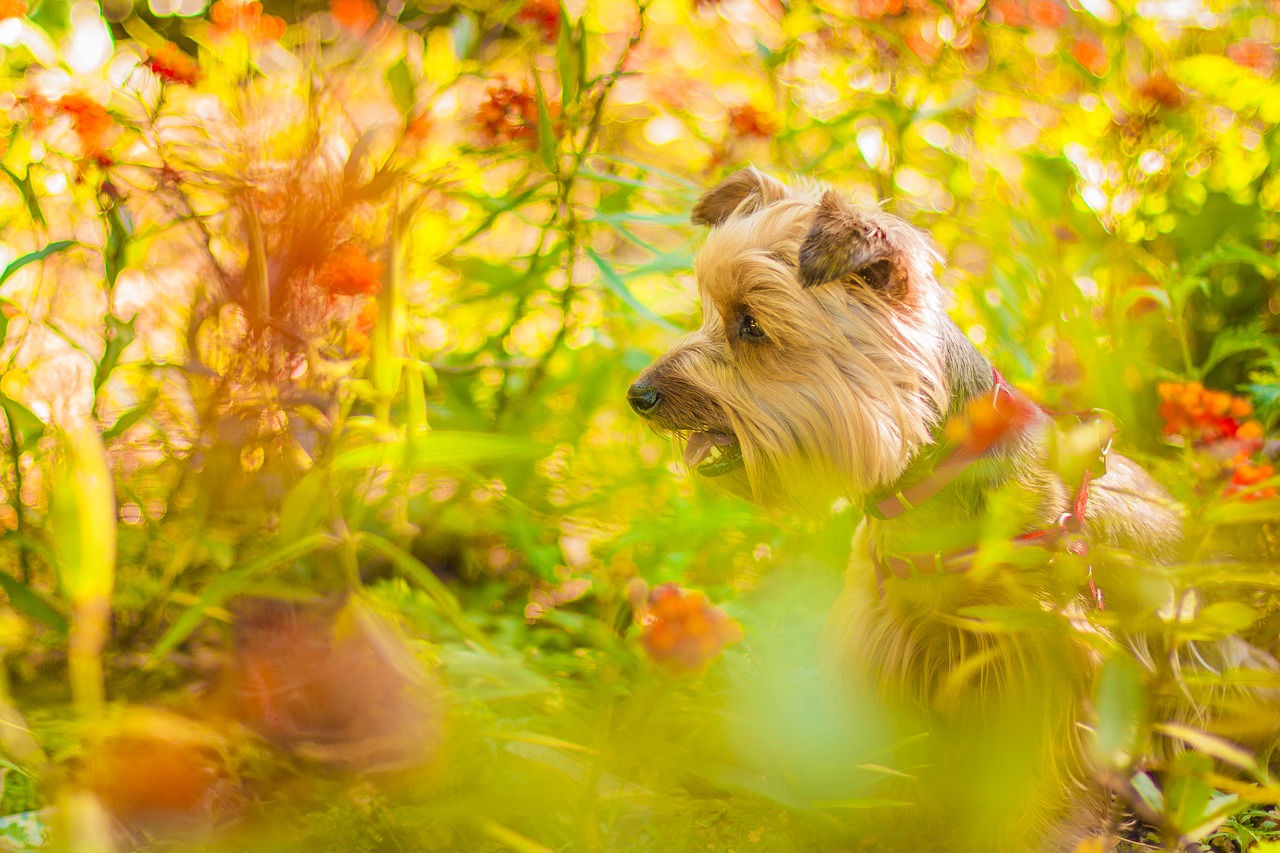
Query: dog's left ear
(845,243)
(742,193)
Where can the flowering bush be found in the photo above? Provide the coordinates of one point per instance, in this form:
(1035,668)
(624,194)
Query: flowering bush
(316,322)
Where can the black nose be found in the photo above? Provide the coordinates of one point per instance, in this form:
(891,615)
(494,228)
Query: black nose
(643,397)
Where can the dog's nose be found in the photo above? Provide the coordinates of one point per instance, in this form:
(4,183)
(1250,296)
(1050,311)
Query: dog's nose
(643,397)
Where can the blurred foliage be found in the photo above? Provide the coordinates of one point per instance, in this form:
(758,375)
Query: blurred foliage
(347,298)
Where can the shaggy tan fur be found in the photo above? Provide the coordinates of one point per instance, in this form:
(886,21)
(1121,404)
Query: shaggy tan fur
(825,367)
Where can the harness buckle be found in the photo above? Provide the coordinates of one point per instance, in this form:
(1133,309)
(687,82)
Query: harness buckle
(996,391)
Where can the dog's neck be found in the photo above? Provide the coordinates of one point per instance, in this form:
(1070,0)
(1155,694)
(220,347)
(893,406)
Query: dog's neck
(953,516)
(969,375)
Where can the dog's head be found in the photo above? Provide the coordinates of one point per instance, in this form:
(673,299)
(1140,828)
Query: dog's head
(819,368)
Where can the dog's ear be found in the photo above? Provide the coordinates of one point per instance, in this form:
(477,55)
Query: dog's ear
(844,243)
(743,192)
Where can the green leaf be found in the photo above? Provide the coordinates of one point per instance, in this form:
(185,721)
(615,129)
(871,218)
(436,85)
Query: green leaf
(568,65)
(546,134)
(692,188)
(1186,793)
(1147,789)
(119,335)
(498,279)
(119,234)
(439,450)
(403,90)
(1242,512)
(412,568)
(1120,704)
(1238,340)
(415,403)
(464,35)
(614,282)
(1234,253)
(22,421)
(1223,618)
(82,518)
(477,675)
(228,584)
(32,257)
(25,601)
(28,192)
(304,506)
(1219,748)
(129,418)
(1243,90)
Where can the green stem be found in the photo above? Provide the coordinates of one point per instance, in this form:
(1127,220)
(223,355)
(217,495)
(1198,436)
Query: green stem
(563,211)
(89,621)
(15,455)
(1180,328)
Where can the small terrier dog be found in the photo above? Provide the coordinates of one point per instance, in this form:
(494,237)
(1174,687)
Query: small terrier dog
(826,367)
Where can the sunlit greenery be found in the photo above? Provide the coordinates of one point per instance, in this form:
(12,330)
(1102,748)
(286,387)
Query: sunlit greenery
(325,522)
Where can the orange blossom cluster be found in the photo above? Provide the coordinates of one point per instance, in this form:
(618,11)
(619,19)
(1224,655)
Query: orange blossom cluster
(230,17)
(172,65)
(349,272)
(683,630)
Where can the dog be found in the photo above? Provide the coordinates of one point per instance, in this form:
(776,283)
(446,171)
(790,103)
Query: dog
(826,368)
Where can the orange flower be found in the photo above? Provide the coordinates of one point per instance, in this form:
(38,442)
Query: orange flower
(356,15)
(40,109)
(1048,13)
(921,38)
(418,127)
(1249,431)
(746,120)
(140,777)
(172,65)
(1203,415)
(507,115)
(1249,53)
(1008,13)
(367,316)
(230,17)
(361,326)
(12,9)
(545,14)
(1161,90)
(874,10)
(349,272)
(1089,53)
(1246,475)
(90,121)
(683,630)
(987,420)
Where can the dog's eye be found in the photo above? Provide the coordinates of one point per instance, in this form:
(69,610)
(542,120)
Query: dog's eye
(750,330)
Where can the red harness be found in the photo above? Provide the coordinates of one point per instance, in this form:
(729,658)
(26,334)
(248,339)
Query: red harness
(1069,531)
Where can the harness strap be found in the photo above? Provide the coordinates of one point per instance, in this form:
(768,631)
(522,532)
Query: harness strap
(954,561)
(957,561)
